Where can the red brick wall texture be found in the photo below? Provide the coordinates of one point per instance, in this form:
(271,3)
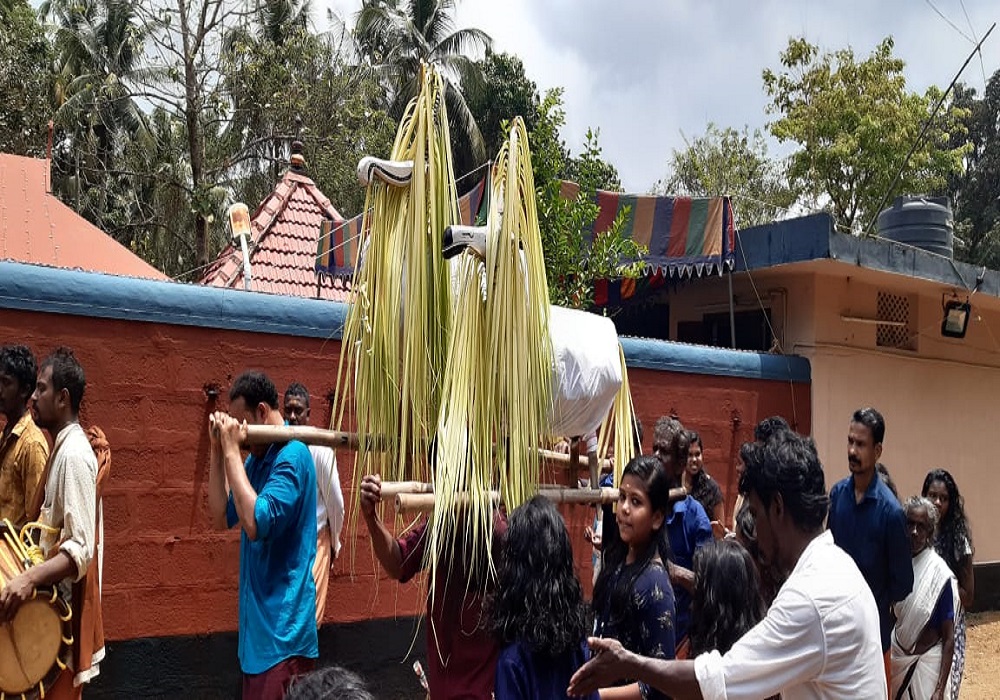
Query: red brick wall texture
(166,573)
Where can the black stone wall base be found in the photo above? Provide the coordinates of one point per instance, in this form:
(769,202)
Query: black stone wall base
(987,586)
(206,667)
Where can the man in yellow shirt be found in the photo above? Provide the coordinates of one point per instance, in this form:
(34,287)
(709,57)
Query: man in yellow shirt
(23,448)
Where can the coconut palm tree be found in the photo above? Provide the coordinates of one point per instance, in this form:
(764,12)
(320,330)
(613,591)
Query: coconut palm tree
(99,60)
(398,36)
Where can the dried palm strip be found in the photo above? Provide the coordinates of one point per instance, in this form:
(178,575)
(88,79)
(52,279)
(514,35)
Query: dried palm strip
(620,423)
(395,334)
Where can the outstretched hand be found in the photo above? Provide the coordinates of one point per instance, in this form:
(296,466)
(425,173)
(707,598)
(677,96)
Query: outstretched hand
(609,664)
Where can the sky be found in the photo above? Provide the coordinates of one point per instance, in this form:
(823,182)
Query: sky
(647,73)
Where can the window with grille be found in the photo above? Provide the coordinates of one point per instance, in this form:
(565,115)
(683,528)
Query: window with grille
(895,327)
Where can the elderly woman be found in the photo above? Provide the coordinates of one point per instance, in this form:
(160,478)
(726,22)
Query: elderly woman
(923,639)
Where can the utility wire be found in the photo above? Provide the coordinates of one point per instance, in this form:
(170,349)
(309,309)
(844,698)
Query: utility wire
(923,132)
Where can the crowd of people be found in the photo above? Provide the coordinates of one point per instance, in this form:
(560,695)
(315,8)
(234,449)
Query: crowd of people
(801,592)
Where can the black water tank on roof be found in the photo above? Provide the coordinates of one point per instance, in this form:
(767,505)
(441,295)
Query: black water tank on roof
(923,222)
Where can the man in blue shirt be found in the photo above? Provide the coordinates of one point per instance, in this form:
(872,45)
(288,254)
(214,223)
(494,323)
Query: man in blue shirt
(273,498)
(868,523)
(688,526)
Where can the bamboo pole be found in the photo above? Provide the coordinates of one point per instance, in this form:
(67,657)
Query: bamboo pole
(424,502)
(391,489)
(266,434)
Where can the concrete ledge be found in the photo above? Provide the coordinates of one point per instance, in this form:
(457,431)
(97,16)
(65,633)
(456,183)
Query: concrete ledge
(206,667)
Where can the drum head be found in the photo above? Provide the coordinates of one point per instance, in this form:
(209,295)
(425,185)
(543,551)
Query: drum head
(29,646)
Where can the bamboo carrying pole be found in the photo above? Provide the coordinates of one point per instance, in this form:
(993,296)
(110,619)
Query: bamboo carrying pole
(265,434)
(424,502)
(391,489)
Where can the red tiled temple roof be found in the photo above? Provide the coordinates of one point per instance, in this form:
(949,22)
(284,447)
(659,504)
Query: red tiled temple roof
(285,232)
(36,227)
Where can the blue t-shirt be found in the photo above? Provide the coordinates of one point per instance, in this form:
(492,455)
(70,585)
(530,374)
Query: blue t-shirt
(525,675)
(688,529)
(873,532)
(277,591)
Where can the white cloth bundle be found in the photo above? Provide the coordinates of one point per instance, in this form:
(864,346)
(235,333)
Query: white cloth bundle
(586,370)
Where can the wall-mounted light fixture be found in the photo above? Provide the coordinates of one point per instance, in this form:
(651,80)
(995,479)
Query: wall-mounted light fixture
(956,318)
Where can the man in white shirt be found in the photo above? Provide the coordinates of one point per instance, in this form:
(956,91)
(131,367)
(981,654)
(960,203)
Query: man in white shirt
(329,498)
(69,506)
(820,639)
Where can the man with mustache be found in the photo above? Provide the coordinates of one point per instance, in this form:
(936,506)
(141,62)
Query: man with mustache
(868,523)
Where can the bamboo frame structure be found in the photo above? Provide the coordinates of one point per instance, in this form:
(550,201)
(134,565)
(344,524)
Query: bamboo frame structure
(424,502)
(266,434)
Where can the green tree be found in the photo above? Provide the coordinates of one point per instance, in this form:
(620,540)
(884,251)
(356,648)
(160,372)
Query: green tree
(975,192)
(25,80)
(735,163)
(295,84)
(398,36)
(504,93)
(184,80)
(99,47)
(571,264)
(854,122)
(590,170)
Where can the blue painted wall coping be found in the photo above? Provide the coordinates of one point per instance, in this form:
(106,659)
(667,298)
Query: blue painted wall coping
(74,292)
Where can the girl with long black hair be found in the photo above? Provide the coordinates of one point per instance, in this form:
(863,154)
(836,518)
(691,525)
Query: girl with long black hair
(727,601)
(537,614)
(633,598)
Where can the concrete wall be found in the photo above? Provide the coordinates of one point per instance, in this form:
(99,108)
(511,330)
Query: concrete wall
(938,399)
(153,354)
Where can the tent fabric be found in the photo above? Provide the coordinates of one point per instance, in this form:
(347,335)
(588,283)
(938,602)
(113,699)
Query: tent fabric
(337,250)
(685,236)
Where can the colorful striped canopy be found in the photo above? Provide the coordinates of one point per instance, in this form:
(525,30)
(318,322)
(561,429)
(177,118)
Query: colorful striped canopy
(337,249)
(685,236)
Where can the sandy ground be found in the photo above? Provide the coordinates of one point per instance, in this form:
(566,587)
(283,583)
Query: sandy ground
(982,663)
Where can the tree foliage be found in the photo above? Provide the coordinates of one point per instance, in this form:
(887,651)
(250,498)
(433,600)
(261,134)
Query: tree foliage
(572,264)
(505,92)
(292,83)
(398,36)
(25,80)
(99,60)
(975,192)
(854,122)
(734,163)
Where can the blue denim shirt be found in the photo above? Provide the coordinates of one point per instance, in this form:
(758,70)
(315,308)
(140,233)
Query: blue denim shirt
(873,532)
(277,615)
(689,529)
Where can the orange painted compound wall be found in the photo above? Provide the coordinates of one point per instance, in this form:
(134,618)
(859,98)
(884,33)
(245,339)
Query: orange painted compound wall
(165,572)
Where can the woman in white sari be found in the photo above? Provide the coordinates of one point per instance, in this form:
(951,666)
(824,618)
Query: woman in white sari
(923,639)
